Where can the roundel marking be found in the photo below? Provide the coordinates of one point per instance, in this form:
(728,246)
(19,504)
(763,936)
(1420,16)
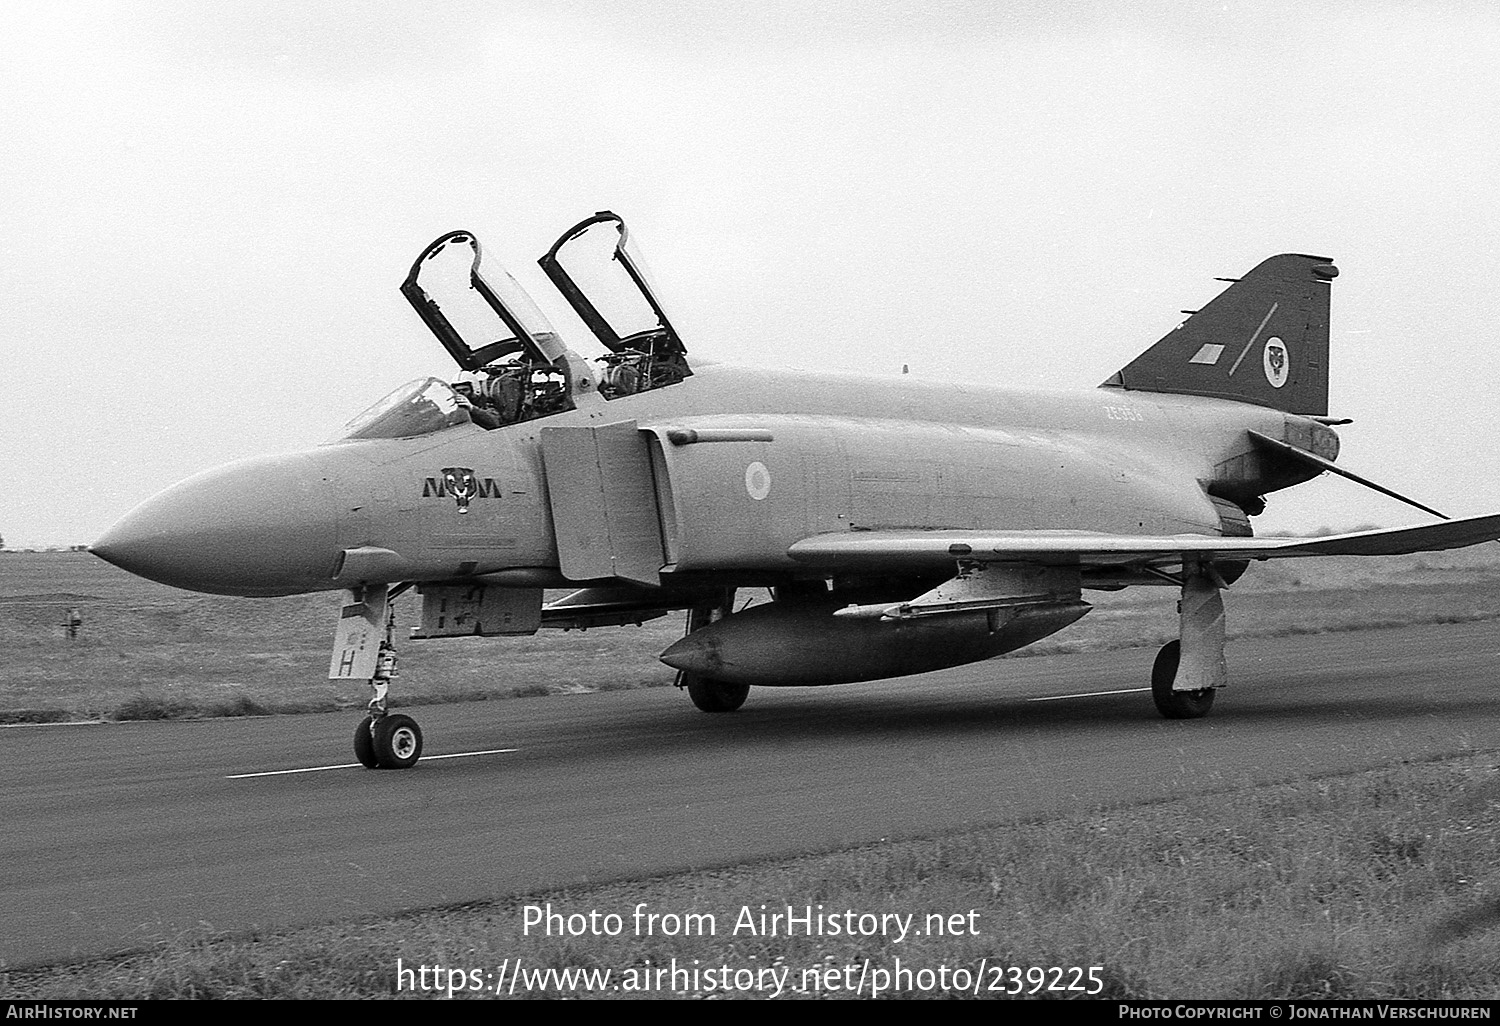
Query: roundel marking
(757,481)
(1276,361)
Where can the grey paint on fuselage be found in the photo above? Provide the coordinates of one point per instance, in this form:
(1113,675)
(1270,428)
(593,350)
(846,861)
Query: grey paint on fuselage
(849,452)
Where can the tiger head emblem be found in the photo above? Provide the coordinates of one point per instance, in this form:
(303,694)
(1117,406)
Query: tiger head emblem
(460,483)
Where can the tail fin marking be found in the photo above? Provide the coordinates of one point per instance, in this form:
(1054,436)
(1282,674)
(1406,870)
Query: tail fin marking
(1280,307)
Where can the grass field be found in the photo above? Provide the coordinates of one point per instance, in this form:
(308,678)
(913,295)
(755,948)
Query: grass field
(148,651)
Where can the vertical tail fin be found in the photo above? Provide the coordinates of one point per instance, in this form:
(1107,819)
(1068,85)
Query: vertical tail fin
(1263,340)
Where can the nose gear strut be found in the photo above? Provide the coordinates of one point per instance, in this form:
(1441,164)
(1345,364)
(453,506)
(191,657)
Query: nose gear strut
(383,740)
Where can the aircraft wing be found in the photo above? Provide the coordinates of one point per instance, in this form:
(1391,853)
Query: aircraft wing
(937,550)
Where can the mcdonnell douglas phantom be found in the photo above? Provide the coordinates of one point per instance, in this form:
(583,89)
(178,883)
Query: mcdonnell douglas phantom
(900,525)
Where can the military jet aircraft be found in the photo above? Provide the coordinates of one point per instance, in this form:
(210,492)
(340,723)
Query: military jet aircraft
(900,525)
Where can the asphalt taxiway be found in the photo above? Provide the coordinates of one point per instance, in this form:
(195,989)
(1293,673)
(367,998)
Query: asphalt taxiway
(118,835)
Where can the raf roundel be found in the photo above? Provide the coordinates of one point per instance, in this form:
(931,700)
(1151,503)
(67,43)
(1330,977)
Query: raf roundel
(1276,361)
(757,481)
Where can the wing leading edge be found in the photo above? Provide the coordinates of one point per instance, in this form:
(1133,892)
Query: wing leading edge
(936,550)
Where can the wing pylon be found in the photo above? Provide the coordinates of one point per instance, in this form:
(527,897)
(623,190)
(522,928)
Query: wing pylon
(977,587)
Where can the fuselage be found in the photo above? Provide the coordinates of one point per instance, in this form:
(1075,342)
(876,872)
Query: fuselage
(844,453)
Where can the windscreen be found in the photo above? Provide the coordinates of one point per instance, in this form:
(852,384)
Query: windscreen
(416,408)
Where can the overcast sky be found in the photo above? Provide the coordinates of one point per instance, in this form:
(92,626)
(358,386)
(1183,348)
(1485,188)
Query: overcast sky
(208,207)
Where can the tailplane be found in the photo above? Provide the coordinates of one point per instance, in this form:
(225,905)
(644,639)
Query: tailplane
(1263,340)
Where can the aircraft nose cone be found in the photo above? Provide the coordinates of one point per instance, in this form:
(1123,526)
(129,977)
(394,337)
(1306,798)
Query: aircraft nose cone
(262,526)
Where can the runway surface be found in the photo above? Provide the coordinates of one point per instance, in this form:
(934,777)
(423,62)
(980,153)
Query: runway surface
(118,835)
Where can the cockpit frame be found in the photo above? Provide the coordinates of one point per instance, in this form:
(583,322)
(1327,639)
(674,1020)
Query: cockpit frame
(662,339)
(522,369)
(522,339)
(642,360)
(524,374)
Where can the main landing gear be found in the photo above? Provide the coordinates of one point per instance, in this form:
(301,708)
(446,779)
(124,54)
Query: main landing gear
(709,695)
(714,696)
(1189,671)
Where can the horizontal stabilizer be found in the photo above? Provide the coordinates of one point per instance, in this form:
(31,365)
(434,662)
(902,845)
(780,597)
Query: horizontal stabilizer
(1314,460)
(938,550)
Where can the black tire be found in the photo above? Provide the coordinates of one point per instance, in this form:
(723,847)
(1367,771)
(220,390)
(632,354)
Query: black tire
(364,744)
(715,696)
(398,742)
(1176,705)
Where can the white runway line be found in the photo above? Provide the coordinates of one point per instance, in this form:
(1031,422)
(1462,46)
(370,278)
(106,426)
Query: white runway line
(464,755)
(355,765)
(1088,694)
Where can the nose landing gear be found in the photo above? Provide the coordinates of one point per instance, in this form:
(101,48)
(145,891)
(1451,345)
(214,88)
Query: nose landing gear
(383,740)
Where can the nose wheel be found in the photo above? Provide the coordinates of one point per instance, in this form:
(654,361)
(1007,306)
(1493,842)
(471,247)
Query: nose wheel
(364,743)
(388,742)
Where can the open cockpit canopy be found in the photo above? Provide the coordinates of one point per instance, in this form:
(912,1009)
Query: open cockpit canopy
(494,330)
(479,322)
(521,368)
(602,276)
